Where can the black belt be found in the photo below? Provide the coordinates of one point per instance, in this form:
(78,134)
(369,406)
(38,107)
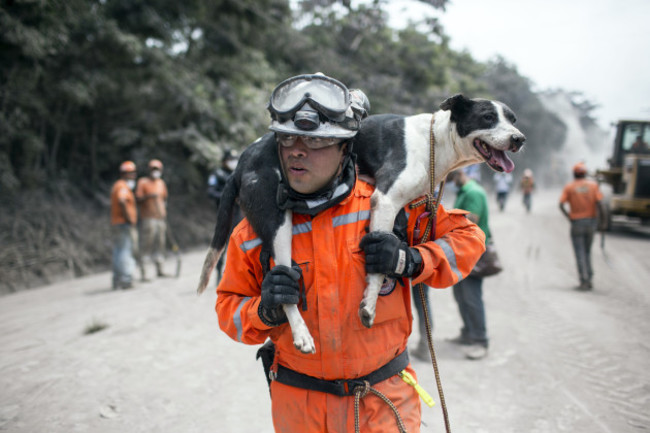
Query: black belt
(341,387)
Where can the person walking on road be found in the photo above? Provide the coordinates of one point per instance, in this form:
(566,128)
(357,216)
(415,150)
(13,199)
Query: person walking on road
(527,186)
(313,125)
(151,195)
(586,213)
(468,292)
(216,183)
(217,179)
(124,234)
(502,182)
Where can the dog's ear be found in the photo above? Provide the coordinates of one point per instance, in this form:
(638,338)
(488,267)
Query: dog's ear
(457,104)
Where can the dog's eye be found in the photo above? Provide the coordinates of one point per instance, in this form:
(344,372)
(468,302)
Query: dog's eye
(488,117)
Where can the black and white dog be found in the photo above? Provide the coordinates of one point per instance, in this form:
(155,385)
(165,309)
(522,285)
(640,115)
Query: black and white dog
(392,149)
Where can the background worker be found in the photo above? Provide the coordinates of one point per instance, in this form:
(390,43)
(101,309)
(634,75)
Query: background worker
(639,146)
(585,211)
(151,195)
(527,186)
(502,183)
(123,226)
(217,179)
(216,183)
(313,124)
(468,292)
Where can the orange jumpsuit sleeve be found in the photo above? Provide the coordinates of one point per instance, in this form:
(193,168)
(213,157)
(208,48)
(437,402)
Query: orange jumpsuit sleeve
(458,245)
(238,293)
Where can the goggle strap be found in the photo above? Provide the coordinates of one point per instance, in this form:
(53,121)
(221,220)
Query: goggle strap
(284,117)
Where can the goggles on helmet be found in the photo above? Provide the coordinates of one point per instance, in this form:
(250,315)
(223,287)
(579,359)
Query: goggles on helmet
(328,96)
(313,143)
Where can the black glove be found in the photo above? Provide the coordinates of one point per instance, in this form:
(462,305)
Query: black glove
(386,254)
(280,286)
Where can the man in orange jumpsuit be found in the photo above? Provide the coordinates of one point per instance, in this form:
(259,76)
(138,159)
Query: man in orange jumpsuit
(586,209)
(151,194)
(123,231)
(315,392)
(527,186)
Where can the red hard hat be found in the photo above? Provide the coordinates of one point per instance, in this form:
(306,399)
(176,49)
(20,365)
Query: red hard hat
(580,168)
(155,163)
(127,167)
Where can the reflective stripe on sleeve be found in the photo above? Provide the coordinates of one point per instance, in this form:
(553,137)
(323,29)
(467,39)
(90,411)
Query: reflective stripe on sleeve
(255,242)
(249,245)
(306,227)
(301,228)
(450,255)
(236,318)
(351,218)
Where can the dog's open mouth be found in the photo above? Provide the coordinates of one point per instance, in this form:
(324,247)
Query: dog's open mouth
(497,159)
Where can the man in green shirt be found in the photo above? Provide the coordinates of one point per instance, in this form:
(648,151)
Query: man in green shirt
(469,292)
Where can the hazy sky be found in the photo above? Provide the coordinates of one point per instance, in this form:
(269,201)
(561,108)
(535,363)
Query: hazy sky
(598,47)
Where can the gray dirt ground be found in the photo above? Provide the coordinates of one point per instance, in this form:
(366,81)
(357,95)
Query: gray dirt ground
(559,360)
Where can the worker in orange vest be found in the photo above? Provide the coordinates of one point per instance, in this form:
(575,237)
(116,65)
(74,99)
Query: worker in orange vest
(586,213)
(151,195)
(315,392)
(124,234)
(527,185)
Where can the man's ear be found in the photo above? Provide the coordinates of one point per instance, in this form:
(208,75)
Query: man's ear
(344,147)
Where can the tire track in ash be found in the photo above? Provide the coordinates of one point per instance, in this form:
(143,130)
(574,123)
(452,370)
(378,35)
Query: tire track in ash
(599,375)
(591,370)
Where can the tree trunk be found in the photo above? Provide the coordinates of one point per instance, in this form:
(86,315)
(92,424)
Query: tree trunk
(56,143)
(94,175)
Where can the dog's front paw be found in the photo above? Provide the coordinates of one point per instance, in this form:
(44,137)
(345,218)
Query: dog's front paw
(366,315)
(303,341)
(305,345)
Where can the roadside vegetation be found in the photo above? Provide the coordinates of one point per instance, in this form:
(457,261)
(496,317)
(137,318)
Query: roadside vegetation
(85,85)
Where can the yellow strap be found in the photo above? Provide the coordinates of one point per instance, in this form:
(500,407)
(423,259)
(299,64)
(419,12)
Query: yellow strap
(406,377)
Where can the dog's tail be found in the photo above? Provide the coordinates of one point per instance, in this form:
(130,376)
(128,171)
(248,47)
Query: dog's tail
(221,232)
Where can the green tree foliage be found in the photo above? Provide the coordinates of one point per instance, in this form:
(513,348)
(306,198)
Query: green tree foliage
(89,84)
(86,84)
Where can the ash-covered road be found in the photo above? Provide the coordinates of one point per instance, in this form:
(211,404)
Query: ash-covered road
(559,360)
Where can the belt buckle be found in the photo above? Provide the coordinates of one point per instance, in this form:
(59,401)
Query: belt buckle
(350,384)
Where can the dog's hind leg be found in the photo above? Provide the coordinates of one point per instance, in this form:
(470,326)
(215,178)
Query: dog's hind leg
(302,339)
(383,213)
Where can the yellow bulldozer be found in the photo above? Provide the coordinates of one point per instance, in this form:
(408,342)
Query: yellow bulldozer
(628,173)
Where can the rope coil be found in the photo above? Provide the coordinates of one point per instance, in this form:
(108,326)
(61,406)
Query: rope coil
(432,206)
(360,391)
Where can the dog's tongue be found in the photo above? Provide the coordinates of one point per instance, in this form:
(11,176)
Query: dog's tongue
(500,159)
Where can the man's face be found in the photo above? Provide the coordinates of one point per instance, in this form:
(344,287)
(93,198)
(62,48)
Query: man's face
(309,170)
(129,175)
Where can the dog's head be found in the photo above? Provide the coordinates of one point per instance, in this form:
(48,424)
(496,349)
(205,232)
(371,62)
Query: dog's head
(489,127)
